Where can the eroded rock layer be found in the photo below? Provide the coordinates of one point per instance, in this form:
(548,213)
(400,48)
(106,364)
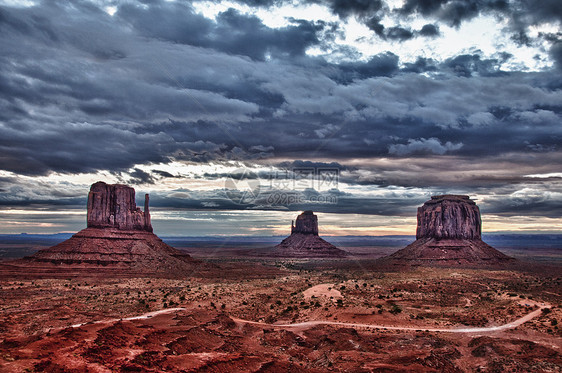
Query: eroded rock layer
(449,252)
(112,247)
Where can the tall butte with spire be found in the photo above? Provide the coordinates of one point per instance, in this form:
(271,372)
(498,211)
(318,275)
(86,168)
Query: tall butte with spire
(114,206)
(449,232)
(118,234)
(304,241)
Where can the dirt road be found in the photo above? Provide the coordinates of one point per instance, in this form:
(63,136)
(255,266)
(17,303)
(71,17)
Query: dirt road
(310,324)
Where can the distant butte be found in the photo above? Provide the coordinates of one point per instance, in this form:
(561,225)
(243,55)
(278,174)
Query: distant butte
(304,241)
(119,235)
(448,233)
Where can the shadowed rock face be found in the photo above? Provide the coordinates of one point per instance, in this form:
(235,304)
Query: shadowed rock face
(114,206)
(449,216)
(307,223)
(304,241)
(448,233)
(119,235)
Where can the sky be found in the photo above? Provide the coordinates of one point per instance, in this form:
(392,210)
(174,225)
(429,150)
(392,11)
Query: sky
(235,116)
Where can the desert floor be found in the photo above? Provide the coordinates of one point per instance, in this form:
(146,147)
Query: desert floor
(260,315)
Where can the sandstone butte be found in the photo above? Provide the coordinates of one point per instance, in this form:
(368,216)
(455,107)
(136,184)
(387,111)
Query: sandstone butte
(304,241)
(448,233)
(118,234)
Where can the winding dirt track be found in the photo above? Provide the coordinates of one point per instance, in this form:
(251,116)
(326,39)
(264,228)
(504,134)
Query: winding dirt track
(309,324)
(140,317)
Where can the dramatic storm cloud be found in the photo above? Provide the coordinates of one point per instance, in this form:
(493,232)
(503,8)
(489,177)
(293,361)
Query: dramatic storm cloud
(264,108)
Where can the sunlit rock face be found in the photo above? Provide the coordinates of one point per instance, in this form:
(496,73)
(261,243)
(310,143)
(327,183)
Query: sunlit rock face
(114,206)
(449,216)
(449,234)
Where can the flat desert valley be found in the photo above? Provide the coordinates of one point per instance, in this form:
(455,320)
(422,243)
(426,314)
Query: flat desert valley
(238,313)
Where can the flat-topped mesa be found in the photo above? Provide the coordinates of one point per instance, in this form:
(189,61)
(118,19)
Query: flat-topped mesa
(448,233)
(307,223)
(114,206)
(449,217)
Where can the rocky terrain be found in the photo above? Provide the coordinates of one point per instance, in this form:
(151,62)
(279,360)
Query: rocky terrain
(313,320)
(118,235)
(448,233)
(304,241)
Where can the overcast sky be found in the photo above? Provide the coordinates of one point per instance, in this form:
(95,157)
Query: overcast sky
(235,116)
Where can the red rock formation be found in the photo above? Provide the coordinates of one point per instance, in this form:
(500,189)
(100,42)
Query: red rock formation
(307,223)
(448,233)
(304,241)
(449,216)
(119,235)
(114,206)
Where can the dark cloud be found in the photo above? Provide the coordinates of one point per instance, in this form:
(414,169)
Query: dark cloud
(424,146)
(454,12)
(346,8)
(138,176)
(421,65)
(537,205)
(384,64)
(302,164)
(163,173)
(457,11)
(425,7)
(429,30)
(374,23)
(232,32)
(468,64)
(556,54)
(528,12)
(399,33)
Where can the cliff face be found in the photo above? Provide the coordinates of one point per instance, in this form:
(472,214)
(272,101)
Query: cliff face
(449,216)
(307,223)
(114,206)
